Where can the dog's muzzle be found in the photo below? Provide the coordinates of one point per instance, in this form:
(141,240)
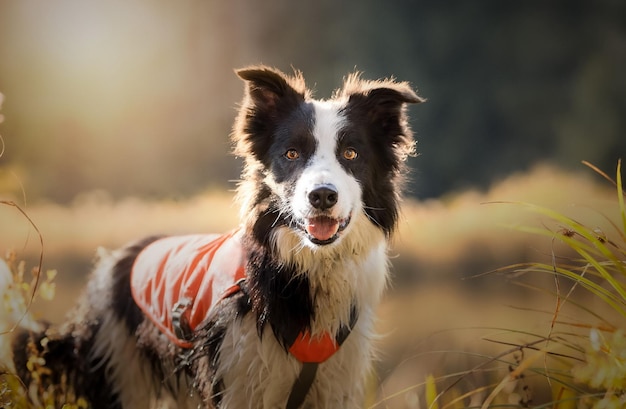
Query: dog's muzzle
(321,226)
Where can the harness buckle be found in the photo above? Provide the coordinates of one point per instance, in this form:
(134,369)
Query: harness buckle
(180,322)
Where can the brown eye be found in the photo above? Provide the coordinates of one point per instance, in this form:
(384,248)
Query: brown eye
(292,154)
(350,154)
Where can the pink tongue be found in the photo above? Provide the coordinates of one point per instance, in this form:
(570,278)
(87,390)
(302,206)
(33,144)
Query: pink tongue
(322,228)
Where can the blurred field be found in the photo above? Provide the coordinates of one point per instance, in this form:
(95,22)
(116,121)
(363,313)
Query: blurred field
(434,303)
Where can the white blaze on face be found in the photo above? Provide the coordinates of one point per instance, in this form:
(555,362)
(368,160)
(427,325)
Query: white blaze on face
(324,169)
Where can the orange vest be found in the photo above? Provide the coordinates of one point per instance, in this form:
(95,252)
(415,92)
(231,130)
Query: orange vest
(179,279)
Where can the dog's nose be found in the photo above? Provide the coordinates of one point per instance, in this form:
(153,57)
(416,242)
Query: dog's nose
(323,197)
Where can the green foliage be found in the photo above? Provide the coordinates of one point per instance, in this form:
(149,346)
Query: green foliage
(598,380)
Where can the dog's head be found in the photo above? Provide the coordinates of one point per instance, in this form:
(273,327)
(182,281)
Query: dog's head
(320,167)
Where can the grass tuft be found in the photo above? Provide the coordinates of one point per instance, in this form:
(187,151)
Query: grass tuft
(18,295)
(580,360)
(584,361)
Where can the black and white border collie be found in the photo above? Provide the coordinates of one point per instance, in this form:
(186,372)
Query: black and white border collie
(319,198)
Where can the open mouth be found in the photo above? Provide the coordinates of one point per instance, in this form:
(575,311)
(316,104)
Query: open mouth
(324,229)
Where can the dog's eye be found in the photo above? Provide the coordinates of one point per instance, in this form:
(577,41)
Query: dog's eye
(350,154)
(292,154)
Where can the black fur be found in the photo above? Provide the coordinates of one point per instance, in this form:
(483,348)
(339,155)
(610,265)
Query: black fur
(66,368)
(377,127)
(278,296)
(122,303)
(204,357)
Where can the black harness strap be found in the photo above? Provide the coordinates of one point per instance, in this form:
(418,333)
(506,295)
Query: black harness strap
(305,379)
(302,385)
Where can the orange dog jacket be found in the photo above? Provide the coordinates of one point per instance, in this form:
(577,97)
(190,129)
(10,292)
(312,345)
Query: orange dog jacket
(176,281)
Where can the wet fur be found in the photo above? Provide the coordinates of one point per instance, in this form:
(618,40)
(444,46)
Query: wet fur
(110,354)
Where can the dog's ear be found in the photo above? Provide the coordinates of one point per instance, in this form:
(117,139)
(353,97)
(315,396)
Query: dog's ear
(382,100)
(381,106)
(268,89)
(390,95)
(270,96)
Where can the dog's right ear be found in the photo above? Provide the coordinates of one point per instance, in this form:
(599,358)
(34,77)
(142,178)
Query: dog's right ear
(268,89)
(270,96)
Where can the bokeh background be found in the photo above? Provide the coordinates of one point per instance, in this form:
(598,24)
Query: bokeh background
(117,117)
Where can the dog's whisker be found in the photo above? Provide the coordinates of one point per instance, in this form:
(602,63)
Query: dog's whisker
(370,218)
(275,222)
(374,208)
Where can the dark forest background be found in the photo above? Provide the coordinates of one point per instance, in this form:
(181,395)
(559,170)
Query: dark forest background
(138,98)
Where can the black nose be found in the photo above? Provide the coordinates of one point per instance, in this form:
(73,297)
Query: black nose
(323,197)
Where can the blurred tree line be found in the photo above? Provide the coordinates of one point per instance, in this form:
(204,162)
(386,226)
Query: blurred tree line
(508,84)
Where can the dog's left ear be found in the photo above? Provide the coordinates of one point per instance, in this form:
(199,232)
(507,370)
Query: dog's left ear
(379,99)
(381,105)
(388,92)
